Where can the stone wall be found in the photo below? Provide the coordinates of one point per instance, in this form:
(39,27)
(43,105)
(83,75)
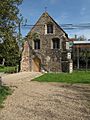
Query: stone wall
(51,59)
(25,58)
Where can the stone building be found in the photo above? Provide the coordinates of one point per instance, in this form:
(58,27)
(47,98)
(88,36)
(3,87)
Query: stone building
(45,47)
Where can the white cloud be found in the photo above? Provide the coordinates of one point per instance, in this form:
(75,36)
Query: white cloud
(86,33)
(64,15)
(83,10)
(62,18)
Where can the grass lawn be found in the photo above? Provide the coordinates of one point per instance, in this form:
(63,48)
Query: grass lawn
(7,69)
(75,77)
(4,91)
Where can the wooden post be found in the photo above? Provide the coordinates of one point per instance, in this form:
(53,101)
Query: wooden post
(70,65)
(77,57)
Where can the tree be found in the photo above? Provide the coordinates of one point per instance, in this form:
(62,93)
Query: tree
(82,55)
(9,49)
(11,52)
(1,51)
(8,16)
(81,38)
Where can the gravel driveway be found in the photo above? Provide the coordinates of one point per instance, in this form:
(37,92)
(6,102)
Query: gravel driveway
(45,101)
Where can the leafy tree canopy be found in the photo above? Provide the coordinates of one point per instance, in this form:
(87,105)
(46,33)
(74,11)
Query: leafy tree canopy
(9,49)
(8,16)
(81,38)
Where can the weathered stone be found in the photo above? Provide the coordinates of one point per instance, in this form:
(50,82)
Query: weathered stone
(25,58)
(48,59)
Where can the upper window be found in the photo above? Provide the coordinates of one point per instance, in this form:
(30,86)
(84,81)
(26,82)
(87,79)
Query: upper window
(56,43)
(37,44)
(49,28)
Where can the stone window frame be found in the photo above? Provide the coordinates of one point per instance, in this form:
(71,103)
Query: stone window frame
(47,28)
(36,44)
(54,43)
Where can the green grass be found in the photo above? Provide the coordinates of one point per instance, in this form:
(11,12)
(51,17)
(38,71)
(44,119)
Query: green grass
(7,69)
(4,91)
(75,77)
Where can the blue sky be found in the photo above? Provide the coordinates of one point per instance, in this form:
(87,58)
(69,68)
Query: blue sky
(63,12)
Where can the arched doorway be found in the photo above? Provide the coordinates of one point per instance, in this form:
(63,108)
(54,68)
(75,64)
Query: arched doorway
(36,62)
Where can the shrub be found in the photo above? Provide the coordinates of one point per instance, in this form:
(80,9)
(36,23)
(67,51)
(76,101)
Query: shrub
(4,91)
(8,69)
(0,80)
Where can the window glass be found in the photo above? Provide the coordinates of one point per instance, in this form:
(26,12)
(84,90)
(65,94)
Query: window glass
(49,28)
(56,43)
(36,44)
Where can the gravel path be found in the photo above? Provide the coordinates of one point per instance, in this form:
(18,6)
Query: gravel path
(45,101)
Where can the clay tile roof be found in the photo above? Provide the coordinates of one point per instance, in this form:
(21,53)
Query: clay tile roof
(72,39)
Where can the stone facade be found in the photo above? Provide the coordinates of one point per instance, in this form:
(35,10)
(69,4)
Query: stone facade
(25,58)
(49,57)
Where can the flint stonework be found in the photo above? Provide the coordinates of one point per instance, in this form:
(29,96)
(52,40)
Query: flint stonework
(46,59)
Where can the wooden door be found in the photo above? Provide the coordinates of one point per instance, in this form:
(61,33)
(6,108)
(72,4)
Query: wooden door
(36,64)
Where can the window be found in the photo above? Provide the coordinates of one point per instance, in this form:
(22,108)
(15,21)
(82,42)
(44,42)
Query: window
(37,44)
(56,43)
(49,28)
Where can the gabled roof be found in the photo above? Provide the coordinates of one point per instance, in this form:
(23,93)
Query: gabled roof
(56,23)
(46,14)
(72,39)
